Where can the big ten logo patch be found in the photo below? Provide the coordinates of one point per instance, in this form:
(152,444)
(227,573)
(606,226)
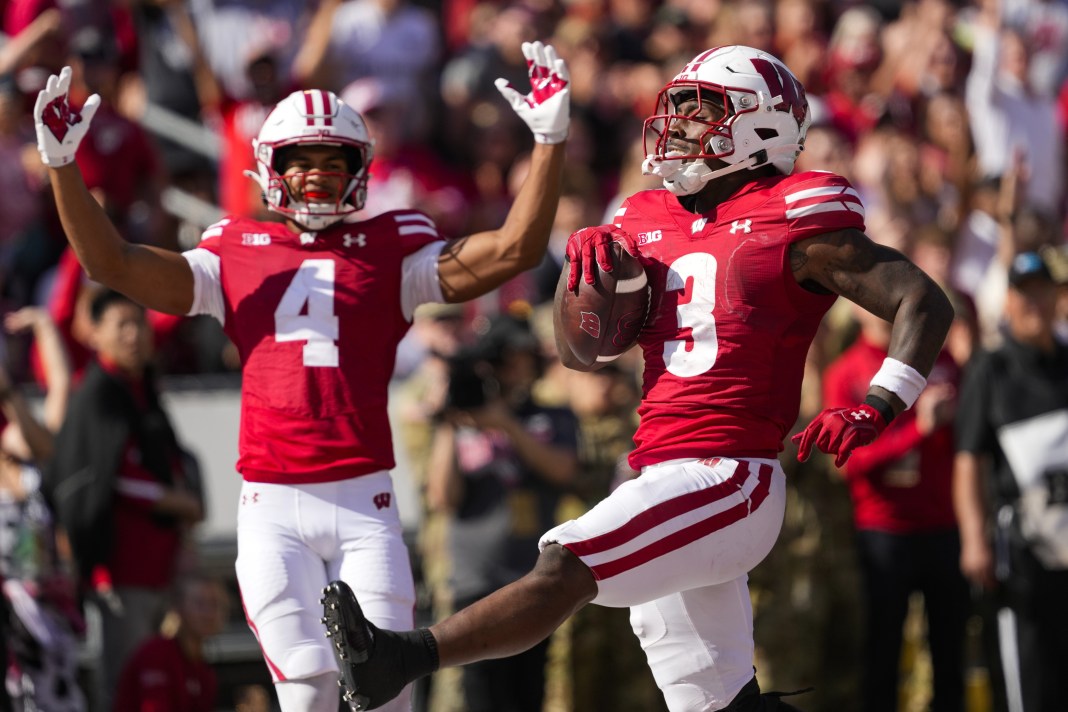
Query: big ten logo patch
(257,239)
(644,238)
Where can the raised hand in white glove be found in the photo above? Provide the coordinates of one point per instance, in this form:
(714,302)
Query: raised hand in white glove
(59,127)
(547,108)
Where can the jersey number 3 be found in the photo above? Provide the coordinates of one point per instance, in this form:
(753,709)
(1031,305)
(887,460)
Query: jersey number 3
(306,313)
(695,354)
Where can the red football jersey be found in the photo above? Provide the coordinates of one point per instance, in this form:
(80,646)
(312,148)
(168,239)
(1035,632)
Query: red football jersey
(729,326)
(316,318)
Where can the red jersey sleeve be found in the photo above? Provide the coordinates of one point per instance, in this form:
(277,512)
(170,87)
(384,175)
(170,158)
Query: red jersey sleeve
(815,203)
(211,238)
(415,229)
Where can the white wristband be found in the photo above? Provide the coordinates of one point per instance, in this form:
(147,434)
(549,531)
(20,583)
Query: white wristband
(900,379)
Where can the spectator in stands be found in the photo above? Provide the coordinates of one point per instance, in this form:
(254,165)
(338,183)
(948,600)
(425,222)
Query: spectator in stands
(907,536)
(38,589)
(169,673)
(853,56)
(406,173)
(1007,115)
(121,164)
(267,78)
(122,487)
(1011,479)
(231,32)
(499,465)
(394,41)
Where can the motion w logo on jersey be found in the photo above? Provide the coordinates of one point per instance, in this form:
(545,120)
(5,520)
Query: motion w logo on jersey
(382,500)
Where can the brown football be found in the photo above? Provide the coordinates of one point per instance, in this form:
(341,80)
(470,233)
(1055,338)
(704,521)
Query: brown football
(600,321)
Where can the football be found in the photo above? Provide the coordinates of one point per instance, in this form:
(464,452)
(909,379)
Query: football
(600,321)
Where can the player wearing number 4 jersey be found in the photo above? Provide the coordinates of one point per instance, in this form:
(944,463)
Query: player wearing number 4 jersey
(743,260)
(316,306)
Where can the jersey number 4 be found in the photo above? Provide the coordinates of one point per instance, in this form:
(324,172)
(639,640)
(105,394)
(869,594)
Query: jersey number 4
(306,313)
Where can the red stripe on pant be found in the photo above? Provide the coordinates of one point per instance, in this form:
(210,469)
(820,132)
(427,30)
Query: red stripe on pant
(255,631)
(667,510)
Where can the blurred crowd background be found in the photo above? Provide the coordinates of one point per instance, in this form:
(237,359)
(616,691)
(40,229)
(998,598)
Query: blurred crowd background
(948,117)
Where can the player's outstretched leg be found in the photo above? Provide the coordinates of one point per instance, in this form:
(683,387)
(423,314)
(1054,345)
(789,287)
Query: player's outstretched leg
(375,664)
(750,699)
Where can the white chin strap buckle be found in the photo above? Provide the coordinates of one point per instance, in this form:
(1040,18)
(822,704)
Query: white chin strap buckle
(680,177)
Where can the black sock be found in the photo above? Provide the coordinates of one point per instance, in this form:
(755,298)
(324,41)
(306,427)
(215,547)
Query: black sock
(419,652)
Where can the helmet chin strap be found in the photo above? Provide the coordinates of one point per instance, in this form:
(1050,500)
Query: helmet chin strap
(682,177)
(308,215)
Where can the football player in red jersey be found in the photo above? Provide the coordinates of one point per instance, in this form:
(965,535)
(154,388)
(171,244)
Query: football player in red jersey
(316,306)
(743,260)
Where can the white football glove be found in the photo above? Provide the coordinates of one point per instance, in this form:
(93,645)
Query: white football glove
(59,127)
(547,108)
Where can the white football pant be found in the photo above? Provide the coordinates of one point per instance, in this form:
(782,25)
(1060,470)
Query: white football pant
(294,539)
(675,545)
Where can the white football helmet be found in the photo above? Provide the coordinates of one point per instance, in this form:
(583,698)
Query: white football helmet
(312,117)
(764,122)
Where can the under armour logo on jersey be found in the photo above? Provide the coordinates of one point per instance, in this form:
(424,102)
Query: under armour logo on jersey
(591,324)
(698,225)
(360,240)
(859,415)
(253,498)
(307,238)
(382,500)
(745,226)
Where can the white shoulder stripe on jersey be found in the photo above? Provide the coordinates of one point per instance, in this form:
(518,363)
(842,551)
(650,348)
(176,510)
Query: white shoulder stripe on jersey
(413,217)
(825,208)
(211,232)
(221,224)
(621,212)
(826,190)
(417,230)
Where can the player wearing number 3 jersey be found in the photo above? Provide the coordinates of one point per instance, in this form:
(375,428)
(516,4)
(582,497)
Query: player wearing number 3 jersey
(743,260)
(316,305)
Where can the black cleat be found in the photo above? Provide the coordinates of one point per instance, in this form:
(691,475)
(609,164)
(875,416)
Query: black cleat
(375,664)
(750,699)
(352,640)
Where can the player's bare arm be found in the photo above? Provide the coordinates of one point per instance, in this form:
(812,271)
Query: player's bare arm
(474,265)
(887,284)
(156,278)
(479,263)
(159,279)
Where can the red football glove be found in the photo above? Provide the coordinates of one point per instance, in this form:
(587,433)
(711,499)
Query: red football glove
(592,243)
(840,431)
